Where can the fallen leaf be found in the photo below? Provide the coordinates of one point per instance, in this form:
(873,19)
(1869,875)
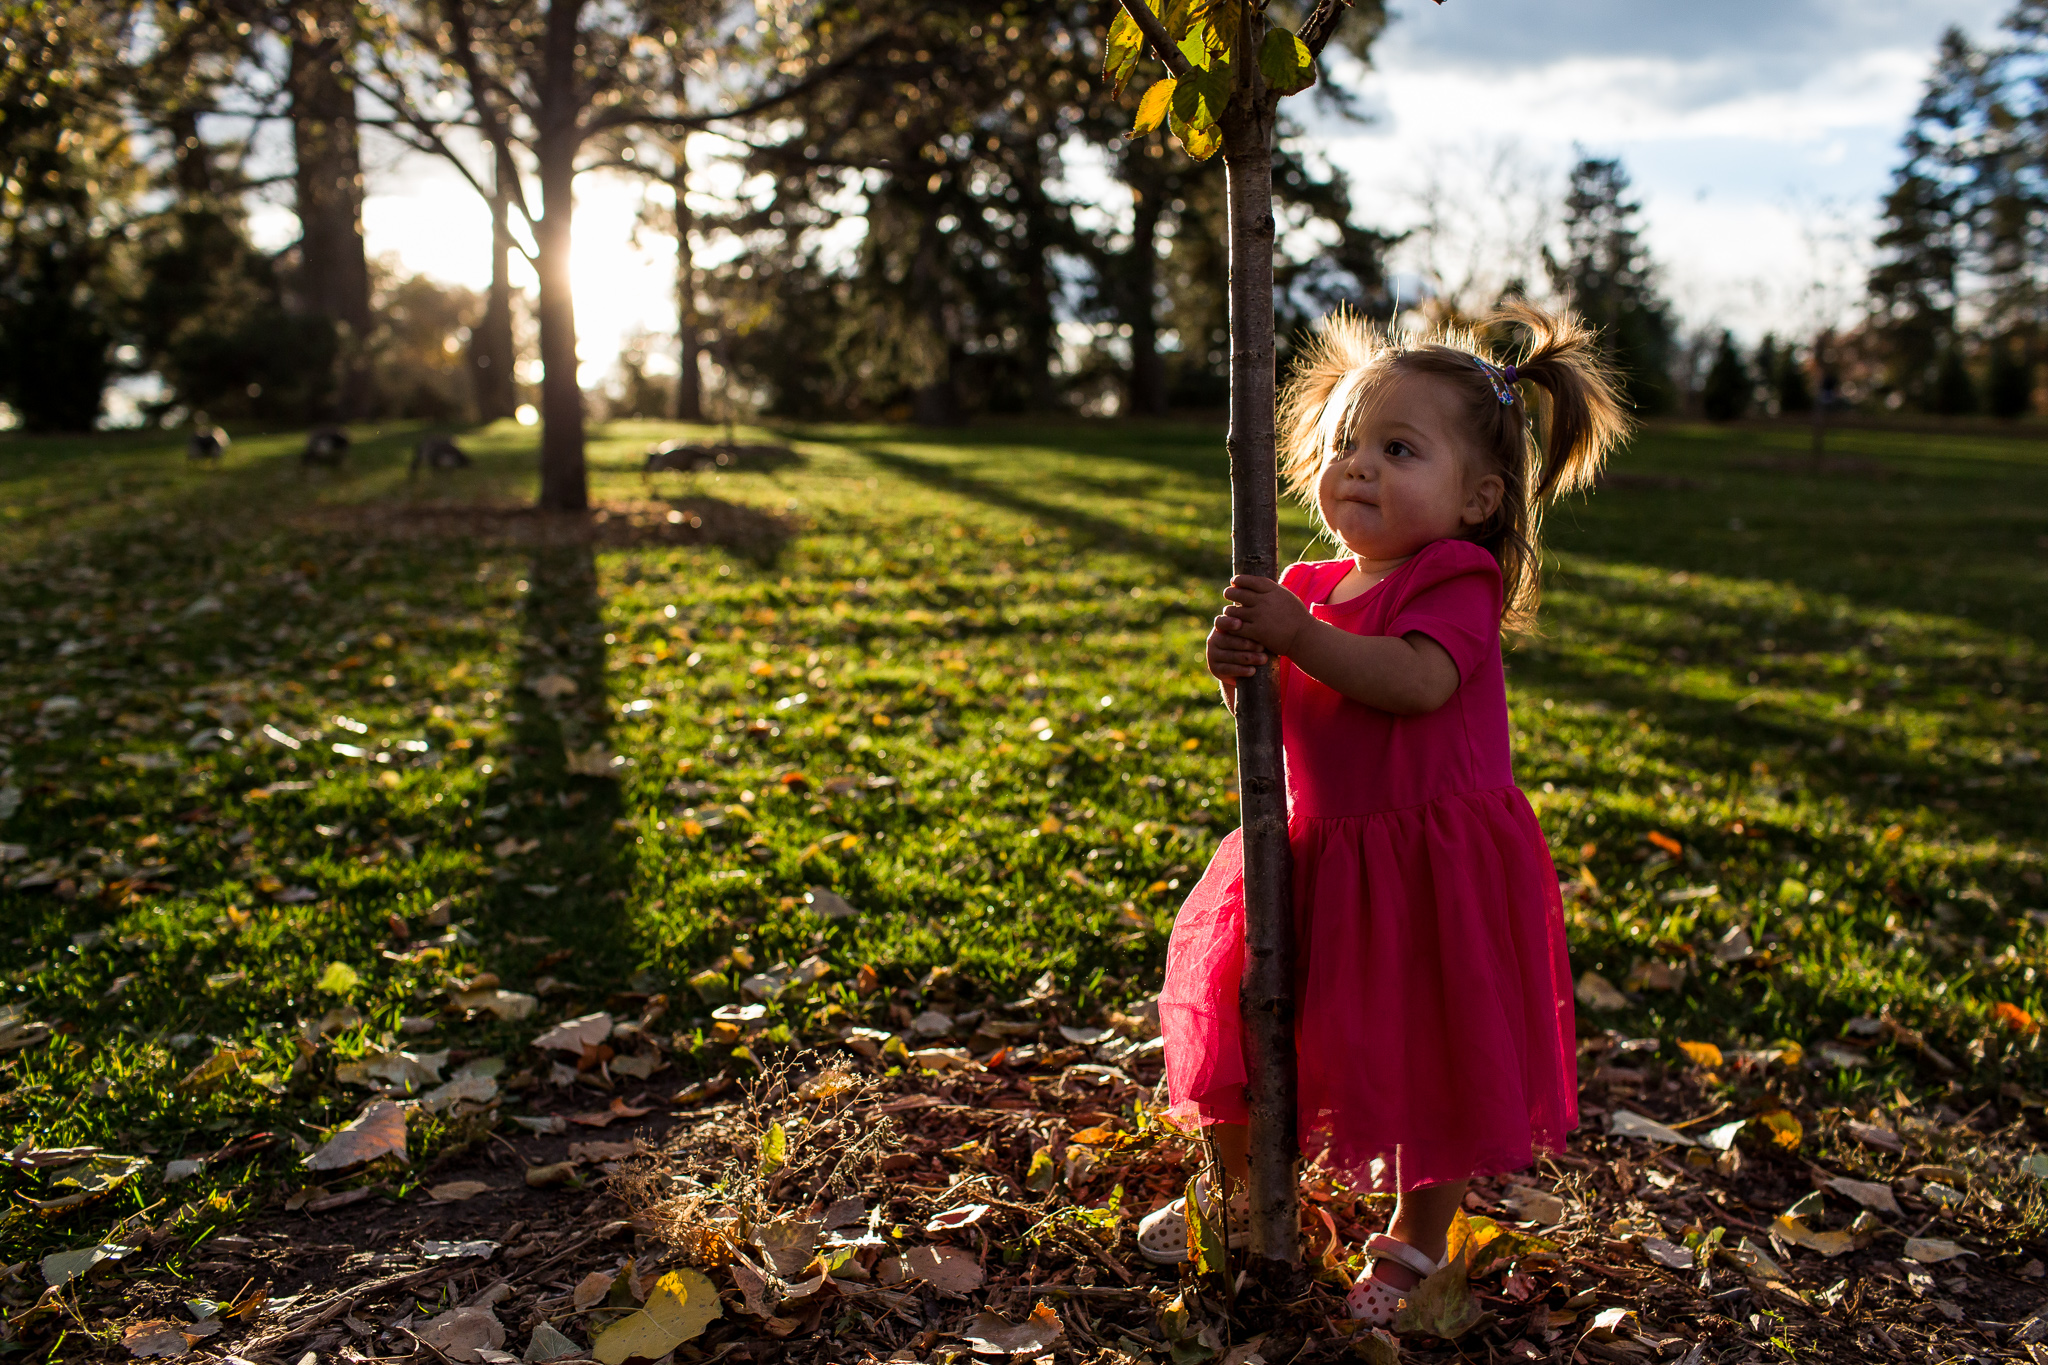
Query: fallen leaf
(683,1304)
(755,1289)
(1787,1228)
(787,1244)
(1534,1206)
(605,1151)
(455,1191)
(456,1251)
(1869,1193)
(1933,1251)
(1376,1346)
(1667,1253)
(605,1118)
(338,979)
(217,1068)
(472,1088)
(1702,1054)
(66,1265)
(774,1149)
(405,1071)
(548,1344)
(952,1220)
(948,1269)
(463,1333)
(574,1035)
(1723,1137)
(557,1173)
(995,1335)
(379,1131)
(1443,1305)
(1785,1127)
(1596,992)
(591,1290)
(1871,1135)
(159,1337)
(1627,1123)
(511,1006)
(829,904)
(1041,1177)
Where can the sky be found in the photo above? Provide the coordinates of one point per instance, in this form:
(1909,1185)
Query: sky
(1760,135)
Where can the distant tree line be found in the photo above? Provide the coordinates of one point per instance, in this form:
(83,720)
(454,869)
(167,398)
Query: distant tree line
(905,244)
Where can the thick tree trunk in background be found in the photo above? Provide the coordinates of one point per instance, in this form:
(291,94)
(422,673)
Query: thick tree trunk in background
(934,404)
(1041,327)
(334,271)
(1147,390)
(689,402)
(1266,995)
(564,483)
(493,357)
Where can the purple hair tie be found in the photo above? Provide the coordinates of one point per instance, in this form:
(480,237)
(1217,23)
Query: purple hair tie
(1503,379)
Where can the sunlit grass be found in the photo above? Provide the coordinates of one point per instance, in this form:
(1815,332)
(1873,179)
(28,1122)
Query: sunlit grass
(961,687)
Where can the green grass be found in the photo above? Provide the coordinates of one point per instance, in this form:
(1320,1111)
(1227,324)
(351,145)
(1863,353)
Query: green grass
(1826,689)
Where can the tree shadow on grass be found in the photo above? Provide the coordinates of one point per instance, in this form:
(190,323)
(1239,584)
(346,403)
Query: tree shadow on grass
(1095,533)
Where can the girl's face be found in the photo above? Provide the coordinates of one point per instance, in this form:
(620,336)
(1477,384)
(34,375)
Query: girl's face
(1407,479)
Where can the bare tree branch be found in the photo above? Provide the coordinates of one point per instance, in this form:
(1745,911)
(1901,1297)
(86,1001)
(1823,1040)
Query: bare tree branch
(1315,34)
(626,116)
(1155,34)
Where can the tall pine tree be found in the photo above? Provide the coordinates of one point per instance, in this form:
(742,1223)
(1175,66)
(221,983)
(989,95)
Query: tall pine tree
(1609,278)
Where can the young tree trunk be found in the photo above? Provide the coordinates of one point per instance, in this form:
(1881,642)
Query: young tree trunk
(1822,393)
(689,401)
(564,484)
(1266,995)
(492,355)
(334,271)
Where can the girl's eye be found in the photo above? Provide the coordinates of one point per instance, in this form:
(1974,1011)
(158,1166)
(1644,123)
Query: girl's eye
(1399,449)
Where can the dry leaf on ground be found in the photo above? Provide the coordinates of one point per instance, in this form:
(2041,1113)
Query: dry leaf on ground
(947,1268)
(683,1304)
(575,1035)
(378,1131)
(993,1334)
(464,1334)
(455,1191)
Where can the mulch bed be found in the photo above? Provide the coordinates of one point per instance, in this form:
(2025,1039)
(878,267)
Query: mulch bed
(1029,1159)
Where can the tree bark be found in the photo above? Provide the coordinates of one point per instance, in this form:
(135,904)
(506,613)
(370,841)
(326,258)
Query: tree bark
(1266,994)
(334,271)
(564,482)
(689,400)
(493,356)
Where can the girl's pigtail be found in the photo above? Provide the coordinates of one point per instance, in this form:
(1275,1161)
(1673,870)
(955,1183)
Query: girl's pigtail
(1582,417)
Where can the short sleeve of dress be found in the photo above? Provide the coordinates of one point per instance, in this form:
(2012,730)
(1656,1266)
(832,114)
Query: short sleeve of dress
(1453,597)
(1299,577)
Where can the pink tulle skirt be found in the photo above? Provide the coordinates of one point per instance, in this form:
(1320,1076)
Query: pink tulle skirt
(1433,996)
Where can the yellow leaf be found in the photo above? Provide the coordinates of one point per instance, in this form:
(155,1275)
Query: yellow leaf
(1192,745)
(1041,1177)
(1152,109)
(1205,1238)
(1443,1305)
(1785,1127)
(338,979)
(1126,43)
(682,1305)
(1702,1054)
(774,1150)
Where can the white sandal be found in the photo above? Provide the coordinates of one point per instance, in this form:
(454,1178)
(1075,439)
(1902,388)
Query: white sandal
(1163,1233)
(1372,1300)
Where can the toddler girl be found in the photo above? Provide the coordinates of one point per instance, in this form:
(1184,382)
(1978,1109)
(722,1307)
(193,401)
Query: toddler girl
(1433,1000)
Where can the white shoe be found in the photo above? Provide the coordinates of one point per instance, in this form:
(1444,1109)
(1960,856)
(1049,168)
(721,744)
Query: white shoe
(1163,1233)
(1372,1300)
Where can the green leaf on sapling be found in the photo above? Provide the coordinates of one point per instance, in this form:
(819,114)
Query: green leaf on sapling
(1285,62)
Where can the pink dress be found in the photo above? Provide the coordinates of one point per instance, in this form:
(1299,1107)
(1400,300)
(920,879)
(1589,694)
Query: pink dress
(1433,998)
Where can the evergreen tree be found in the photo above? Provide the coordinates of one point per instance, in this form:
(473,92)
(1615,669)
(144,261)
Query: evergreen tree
(1787,380)
(1928,215)
(1728,390)
(1955,394)
(2009,388)
(1765,391)
(1609,278)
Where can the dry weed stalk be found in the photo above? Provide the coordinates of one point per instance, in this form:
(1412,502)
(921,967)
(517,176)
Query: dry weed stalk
(789,1144)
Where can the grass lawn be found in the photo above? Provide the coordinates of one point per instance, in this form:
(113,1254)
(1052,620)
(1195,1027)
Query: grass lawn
(282,753)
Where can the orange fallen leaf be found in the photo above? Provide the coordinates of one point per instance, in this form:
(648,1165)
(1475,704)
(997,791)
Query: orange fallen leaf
(2014,1018)
(1666,842)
